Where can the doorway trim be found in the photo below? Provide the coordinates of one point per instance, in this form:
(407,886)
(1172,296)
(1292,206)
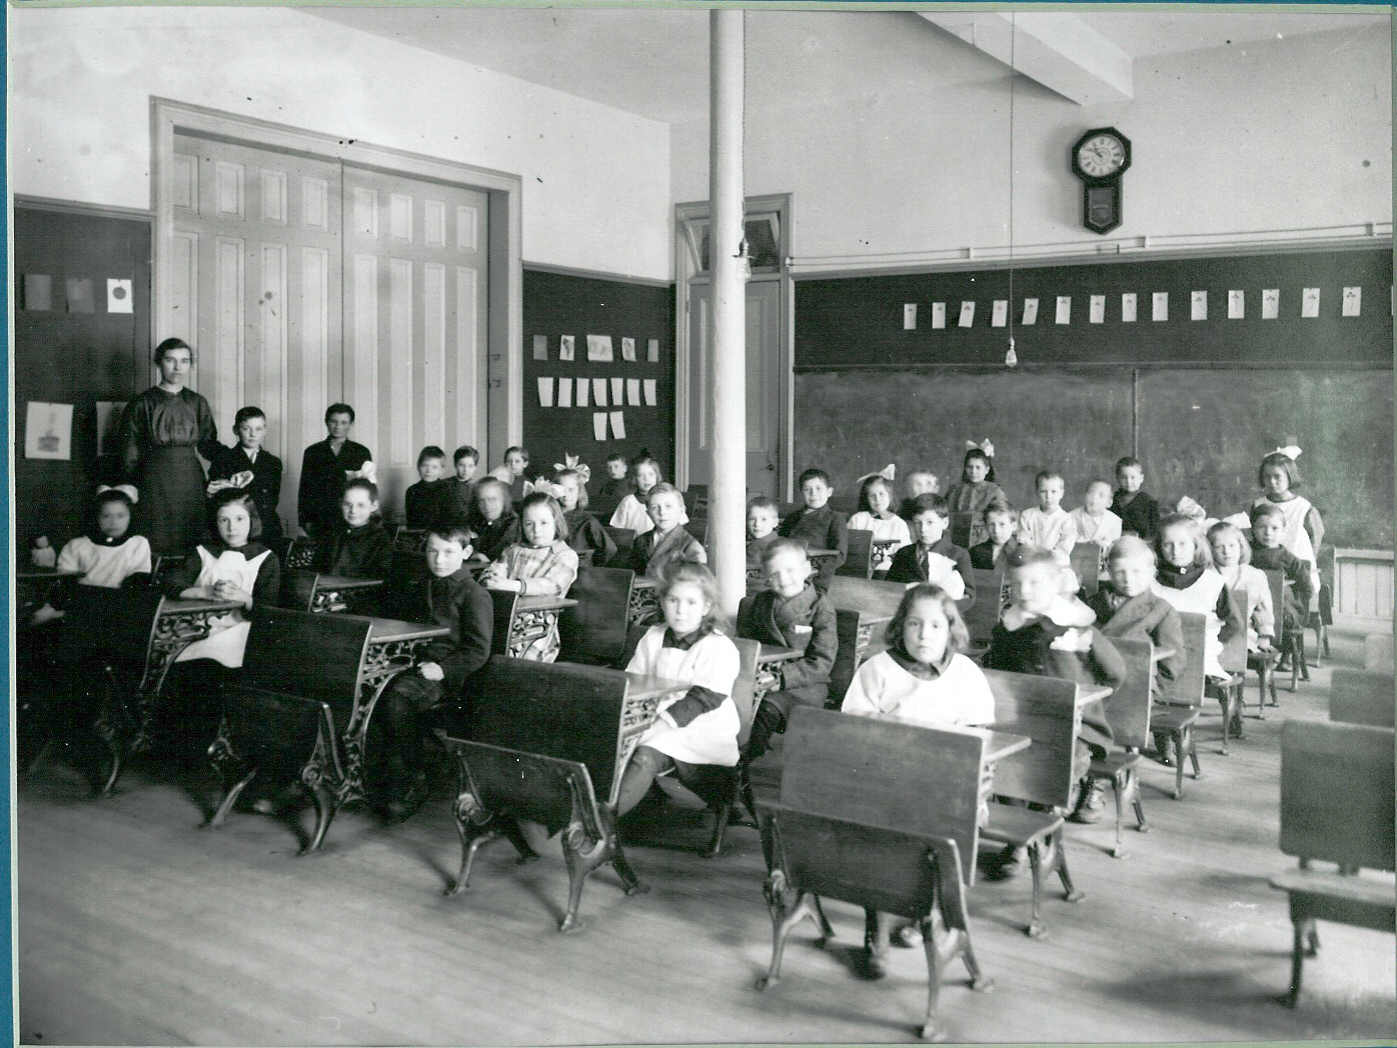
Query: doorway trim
(501,372)
(685,275)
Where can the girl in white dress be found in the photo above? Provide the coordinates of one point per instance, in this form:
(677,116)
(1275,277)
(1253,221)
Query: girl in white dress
(1185,577)
(108,555)
(1232,558)
(876,515)
(700,726)
(631,511)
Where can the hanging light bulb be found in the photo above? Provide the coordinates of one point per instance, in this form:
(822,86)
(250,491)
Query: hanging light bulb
(1011,359)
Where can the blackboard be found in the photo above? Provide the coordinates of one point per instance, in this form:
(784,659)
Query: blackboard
(557,304)
(857,321)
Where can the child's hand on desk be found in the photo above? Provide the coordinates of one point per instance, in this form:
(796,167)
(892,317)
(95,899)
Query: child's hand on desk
(430,671)
(226,589)
(498,581)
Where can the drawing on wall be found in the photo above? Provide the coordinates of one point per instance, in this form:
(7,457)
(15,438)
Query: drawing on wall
(48,431)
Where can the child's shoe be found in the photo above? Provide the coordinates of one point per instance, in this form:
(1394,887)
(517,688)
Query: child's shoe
(1091,803)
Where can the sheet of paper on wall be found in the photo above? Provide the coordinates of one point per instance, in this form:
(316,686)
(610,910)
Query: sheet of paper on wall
(652,350)
(1198,305)
(599,349)
(108,424)
(540,347)
(1309,302)
(564,393)
(599,425)
(78,292)
(1129,304)
(583,389)
(1030,311)
(651,394)
(1096,309)
(38,291)
(1062,314)
(48,431)
(119,295)
(999,312)
(967,315)
(938,315)
(618,425)
(1159,306)
(545,392)
(909,316)
(567,347)
(1236,305)
(633,392)
(1353,301)
(628,349)
(618,392)
(599,392)
(1270,303)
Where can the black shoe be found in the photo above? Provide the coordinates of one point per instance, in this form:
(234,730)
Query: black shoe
(403,804)
(1007,865)
(875,963)
(1092,805)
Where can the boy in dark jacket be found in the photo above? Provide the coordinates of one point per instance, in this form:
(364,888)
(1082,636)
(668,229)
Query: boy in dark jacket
(932,556)
(818,526)
(361,547)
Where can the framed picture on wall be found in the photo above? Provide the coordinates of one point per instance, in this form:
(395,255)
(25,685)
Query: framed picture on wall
(48,431)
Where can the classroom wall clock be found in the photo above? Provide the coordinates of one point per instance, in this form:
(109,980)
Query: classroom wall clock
(1099,158)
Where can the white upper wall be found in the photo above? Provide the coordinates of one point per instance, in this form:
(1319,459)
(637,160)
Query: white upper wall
(1284,134)
(596,178)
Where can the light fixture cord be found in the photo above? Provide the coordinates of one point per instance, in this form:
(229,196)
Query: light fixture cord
(1013,75)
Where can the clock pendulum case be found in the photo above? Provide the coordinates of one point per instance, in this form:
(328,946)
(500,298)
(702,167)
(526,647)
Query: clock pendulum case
(1099,158)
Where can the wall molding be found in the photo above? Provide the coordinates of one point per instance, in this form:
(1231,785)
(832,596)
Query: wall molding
(595,274)
(1109,365)
(79,207)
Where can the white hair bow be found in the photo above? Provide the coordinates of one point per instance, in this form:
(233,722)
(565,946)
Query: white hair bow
(984,446)
(888,472)
(583,471)
(366,472)
(1190,508)
(129,490)
(1290,451)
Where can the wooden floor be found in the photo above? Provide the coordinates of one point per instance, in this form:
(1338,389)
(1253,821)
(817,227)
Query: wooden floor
(137,927)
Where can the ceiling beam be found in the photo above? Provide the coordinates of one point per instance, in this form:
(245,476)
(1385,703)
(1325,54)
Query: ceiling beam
(1056,49)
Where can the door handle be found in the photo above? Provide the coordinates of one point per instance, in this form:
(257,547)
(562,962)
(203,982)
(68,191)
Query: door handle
(770,468)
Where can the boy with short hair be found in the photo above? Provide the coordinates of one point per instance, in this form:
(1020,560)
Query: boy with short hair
(918,482)
(933,557)
(361,546)
(459,499)
(247,458)
(1001,522)
(1047,525)
(791,613)
(1267,530)
(819,526)
(1127,606)
(424,502)
(1093,520)
(763,515)
(618,483)
(446,596)
(1138,511)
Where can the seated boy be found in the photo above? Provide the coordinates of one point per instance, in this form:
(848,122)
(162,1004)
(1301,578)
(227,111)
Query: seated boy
(1126,606)
(1002,523)
(1047,525)
(424,501)
(459,500)
(919,482)
(933,557)
(762,517)
(1138,511)
(361,547)
(793,614)
(819,526)
(1047,634)
(618,483)
(447,596)
(1267,531)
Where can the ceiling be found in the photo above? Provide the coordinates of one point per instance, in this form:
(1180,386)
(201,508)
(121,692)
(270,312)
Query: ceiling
(655,62)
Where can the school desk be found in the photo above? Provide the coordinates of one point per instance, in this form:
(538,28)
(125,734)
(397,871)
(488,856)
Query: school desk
(768,675)
(534,616)
(337,593)
(645,602)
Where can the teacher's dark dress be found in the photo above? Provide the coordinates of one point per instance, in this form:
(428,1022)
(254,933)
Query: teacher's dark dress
(160,435)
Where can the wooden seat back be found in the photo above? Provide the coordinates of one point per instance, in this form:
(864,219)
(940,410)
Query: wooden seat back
(961,523)
(884,773)
(1128,710)
(859,563)
(1045,709)
(505,602)
(871,595)
(409,540)
(525,785)
(594,632)
(981,616)
(624,539)
(1337,793)
(698,528)
(1187,689)
(1233,656)
(317,657)
(1086,563)
(744,691)
(1275,580)
(696,500)
(560,710)
(1362,697)
(110,624)
(298,589)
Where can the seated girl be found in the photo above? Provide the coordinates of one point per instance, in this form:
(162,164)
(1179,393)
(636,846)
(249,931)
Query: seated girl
(631,511)
(494,523)
(584,530)
(698,728)
(543,563)
(667,541)
(890,532)
(1186,579)
(108,555)
(1232,559)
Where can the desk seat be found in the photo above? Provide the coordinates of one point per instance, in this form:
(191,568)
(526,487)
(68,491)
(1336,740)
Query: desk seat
(1034,831)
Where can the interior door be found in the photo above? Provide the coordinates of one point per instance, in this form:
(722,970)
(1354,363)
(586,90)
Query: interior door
(763,352)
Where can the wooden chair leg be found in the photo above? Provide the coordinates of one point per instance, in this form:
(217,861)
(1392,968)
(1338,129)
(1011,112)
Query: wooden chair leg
(722,813)
(1191,741)
(1177,739)
(782,923)
(1117,788)
(1297,965)
(1069,892)
(1035,929)
(1137,802)
(934,941)
(324,800)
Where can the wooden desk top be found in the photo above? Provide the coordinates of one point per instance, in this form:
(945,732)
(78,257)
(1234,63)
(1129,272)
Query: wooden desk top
(33,571)
(1000,744)
(1090,693)
(544,602)
(645,686)
(816,552)
(771,654)
(644,582)
(387,631)
(345,582)
(1160,654)
(181,605)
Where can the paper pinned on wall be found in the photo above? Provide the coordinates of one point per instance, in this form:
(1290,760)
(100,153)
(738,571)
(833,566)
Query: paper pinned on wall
(1129,304)
(628,349)
(78,292)
(48,431)
(938,315)
(967,315)
(1236,305)
(999,312)
(599,348)
(633,392)
(652,350)
(540,347)
(38,291)
(1270,303)
(618,425)
(599,425)
(1353,301)
(1063,312)
(119,295)
(1198,305)
(567,347)
(564,393)
(545,392)
(1159,306)
(618,391)
(1030,312)
(651,396)
(909,316)
(599,392)
(583,388)
(1096,309)
(1309,302)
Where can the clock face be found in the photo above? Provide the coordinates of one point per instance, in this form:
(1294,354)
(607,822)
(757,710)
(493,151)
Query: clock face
(1101,155)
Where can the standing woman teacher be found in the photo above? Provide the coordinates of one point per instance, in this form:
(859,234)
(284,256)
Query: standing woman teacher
(160,432)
